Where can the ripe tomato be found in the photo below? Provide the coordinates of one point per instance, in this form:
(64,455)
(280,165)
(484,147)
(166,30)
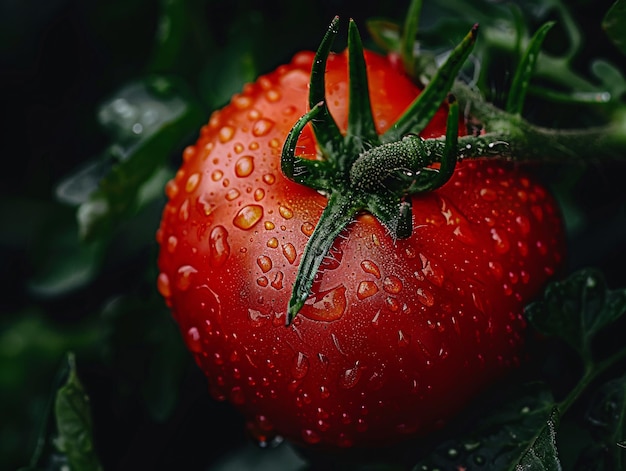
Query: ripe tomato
(398,334)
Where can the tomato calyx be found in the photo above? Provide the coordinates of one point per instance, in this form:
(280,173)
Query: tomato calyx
(363,171)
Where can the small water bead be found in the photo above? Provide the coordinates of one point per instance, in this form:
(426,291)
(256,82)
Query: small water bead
(262,127)
(277,282)
(192,182)
(307,229)
(425,297)
(171,189)
(502,244)
(217,175)
(269,178)
(193,340)
(289,251)
(285,212)
(259,194)
(366,289)
(329,308)
(226,133)
(392,304)
(163,285)
(310,437)
(269,225)
(219,247)
(225,182)
(262,281)
(403,339)
(248,216)
(272,243)
(275,143)
(370,267)
(241,101)
(232,194)
(264,263)
(272,95)
(350,377)
(432,271)
(300,367)
(392,284)
(172,243)
(488,194)
(244,166)
(183,211)
(184,277)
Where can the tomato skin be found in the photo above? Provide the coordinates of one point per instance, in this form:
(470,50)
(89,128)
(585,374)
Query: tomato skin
(399,334)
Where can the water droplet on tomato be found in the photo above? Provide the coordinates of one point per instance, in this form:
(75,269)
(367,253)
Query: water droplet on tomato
(300,366)
(307,229)
(366,289)
(264,263)
(523,224)
(171,189)
(425,297)
(488,194)
(193,340)
(392,304)
(285,212)
(237,396)
(262,281)
(277,282)
(244,166)
(350,377)
(218,246)
(370,267)
(262,127)
(163,285)
(272,95)
(272,243)
(259,194)
(330,307)
(310,437)
(432,271)
(403,339)
(392,284)
(324,392)
(183,211)
(248,216)
(217,175)
(502,244)
(232,194)
(269,178)
(226,133)
(289,251)
(172,242)
(496,269)
(192,182)
(184,277)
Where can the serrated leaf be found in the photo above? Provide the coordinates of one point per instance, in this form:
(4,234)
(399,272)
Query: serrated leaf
(501,438)
(614,23)
(74,423)
(543,455)
(578,308)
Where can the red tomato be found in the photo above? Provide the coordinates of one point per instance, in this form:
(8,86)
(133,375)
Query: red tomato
(397,335)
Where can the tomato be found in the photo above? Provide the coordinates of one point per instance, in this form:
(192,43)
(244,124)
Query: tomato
(397,334)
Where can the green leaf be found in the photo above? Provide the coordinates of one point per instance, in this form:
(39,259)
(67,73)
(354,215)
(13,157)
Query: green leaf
(543,455)
(614,24)
(606,419)
(577,309)
(148,120)
(385,34)
(74,423)
(504,436)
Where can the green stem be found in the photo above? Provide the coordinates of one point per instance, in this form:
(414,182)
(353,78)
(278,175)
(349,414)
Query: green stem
(339,212)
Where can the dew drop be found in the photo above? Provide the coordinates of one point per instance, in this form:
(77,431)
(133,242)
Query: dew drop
(272,95)
(285,212)
(425,297)
(310,437)
(217,175)
(273,242)
(488,194)
(248,216)
(171,189)
(277,282)
(269,225)
(262,126)
(264,263)
(392,304)
(350,377)
(192,182)
(366,289)
(324,392)
(183,211)
(238,148)
(218,245)
(307,229)
(496,269)
(259,194)
(237,396)
(262,281)
(392,284)
(524,224)
(163,285)
(232,194)
(329,308)
(501,241)
(226,133)
(289,251)
(193,340)
(172,242)
(403,339)
(244,166)
(370,267)
(184,277)
(300,366)
(432,271)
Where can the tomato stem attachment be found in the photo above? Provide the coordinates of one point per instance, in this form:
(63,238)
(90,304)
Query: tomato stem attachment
(357,171)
